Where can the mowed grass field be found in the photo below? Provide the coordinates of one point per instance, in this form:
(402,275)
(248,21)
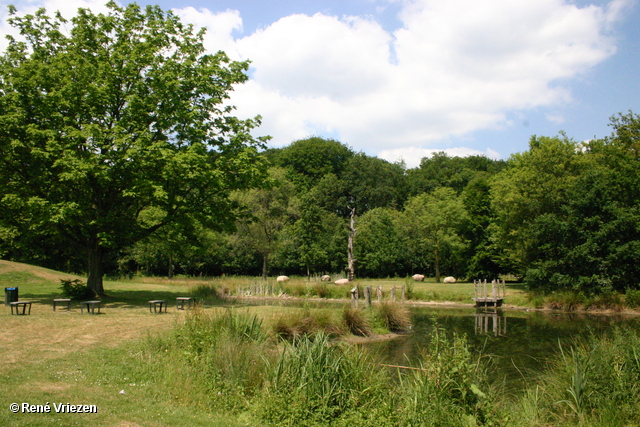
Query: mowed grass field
(66,357)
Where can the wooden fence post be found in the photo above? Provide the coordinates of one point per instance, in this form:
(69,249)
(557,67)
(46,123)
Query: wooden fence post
(367,295)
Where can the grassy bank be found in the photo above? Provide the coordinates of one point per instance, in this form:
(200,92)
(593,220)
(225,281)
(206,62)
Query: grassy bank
(279,365)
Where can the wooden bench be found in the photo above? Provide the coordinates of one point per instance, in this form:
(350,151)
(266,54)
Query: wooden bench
(91,306)
(61,301)
(182,300)
(157,303)
(20,304)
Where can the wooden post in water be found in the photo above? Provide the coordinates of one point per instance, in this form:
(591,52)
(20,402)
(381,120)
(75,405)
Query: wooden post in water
(367,295)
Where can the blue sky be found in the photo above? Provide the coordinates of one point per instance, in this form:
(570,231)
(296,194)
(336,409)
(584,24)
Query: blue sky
(403,78)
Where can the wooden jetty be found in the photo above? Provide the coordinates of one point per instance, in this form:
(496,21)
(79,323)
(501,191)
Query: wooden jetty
(484,299)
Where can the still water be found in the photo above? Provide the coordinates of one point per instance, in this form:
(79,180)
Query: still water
(518,342)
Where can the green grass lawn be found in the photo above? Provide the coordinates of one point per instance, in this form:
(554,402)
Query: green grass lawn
(78,359)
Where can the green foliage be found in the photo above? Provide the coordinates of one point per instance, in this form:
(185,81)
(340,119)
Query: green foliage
(440,170)
(450,388)
(316,383)
(379,247)
(632,298)
(432,226)
(592,383)
(312,158)
(567,213)
(76,289)
(116,127)
(268,214)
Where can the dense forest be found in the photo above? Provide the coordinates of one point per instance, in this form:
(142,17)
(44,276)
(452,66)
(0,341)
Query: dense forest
(561,215)
(117,158)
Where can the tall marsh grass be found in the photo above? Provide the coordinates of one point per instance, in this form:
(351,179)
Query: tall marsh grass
(228,362)
(594,382)
(393,316)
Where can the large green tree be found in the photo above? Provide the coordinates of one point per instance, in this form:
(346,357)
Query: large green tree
(115,125)
(567,213)
(379,249)
(433,225)
(269,213)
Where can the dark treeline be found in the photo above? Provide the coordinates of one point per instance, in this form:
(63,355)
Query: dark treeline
(561,215)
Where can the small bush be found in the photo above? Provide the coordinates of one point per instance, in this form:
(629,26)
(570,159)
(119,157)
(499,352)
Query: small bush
(567,301)
(632,298)
(76,289)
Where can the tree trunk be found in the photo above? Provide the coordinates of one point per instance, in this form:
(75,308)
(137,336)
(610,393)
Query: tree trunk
(437,264)
(170,269)
(264,266)
(94,279)
(352,235)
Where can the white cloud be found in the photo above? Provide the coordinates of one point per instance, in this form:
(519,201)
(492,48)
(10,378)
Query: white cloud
(555,118)
(220,27)
(452,68)
(413,155)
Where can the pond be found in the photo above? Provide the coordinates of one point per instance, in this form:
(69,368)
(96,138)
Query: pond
(519,342)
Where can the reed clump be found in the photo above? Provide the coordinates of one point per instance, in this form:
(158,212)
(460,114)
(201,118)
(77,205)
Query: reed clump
(393,316)
(307,322)
(357,321)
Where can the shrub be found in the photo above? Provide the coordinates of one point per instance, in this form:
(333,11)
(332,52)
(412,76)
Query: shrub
(76,289)
(632,298)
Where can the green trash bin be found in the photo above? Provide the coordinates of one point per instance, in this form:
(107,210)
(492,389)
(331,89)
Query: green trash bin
(10,295)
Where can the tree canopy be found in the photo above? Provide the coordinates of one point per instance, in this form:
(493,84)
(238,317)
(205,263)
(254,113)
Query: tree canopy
(115,125)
